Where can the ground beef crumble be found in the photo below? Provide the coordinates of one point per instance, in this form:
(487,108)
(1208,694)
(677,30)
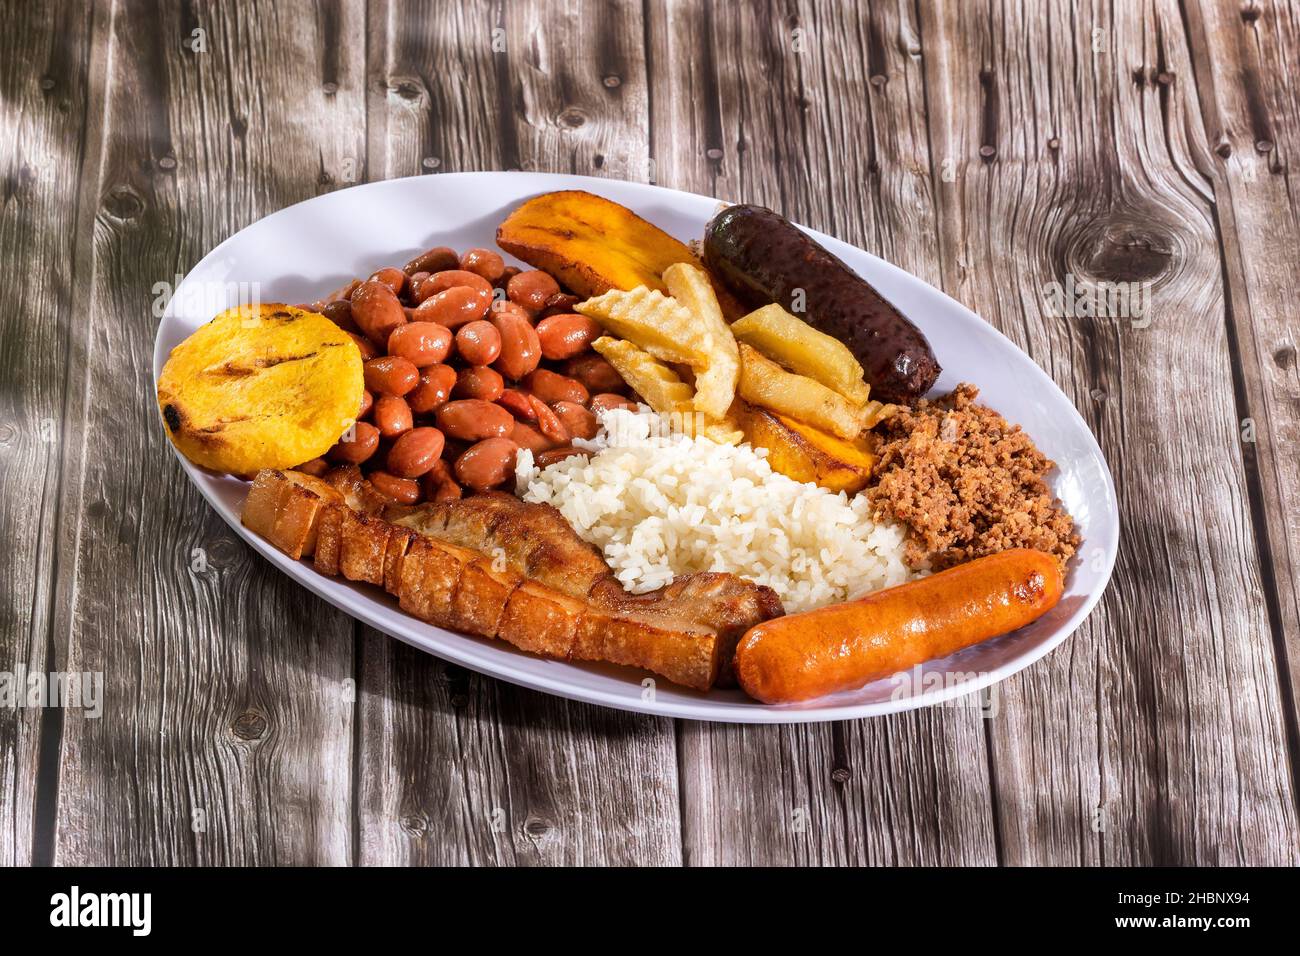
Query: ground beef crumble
(965,484)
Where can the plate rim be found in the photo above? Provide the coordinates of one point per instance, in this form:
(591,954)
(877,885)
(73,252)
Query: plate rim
(753,713)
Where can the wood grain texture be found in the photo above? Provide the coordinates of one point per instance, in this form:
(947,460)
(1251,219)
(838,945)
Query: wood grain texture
(454,767)
(1158,729)
(810,134)
(227,728)
(1245,58)
(44,61)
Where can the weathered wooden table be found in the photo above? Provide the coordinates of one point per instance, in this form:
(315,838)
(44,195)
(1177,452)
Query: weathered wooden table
(991,150)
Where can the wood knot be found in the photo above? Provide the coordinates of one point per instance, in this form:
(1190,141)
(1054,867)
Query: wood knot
(1284,358)
(841,774)
(224,552)
(612,82)
(406,88)
(249,726)
(123,203)
(538,828)
(413,824)
(1122,248)
(571,118)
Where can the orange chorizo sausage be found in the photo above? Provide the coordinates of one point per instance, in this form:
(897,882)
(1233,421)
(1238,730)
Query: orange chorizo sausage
(848,645)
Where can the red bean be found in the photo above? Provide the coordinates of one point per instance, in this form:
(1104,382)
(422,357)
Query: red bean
(547,458)
(478,343)
(339,311)
(525,436)
(608,400)
(391,375)
(454,279)
(395,279)
(439,485)
(595,373)
(453,307)
(521,350)
(548,422)
(517,403)
(421,343)
(531,289)
(392,416)
(566,335)
(483,262)
(437,259)
(433,390)
(550,387)
(368,350)
(357,444)
(403,491)
(377,311)
(474,420)
(479,382)
(487,464)
(415,452)
(577,421)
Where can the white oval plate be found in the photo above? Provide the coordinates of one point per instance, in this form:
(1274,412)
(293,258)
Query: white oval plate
(300,253)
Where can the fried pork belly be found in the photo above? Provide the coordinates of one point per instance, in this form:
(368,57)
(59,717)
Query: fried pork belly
(498,567)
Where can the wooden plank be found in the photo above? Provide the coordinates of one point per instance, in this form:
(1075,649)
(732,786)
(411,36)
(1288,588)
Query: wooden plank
(1155,735)
(44,66)
(816,110)
(454,767)
(1244,59)
(227,727)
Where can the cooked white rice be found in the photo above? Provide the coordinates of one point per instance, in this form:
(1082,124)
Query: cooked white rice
(663,505)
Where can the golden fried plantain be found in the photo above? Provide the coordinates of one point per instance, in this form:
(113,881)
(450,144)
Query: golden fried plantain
(592,245)
(795,344)
(809,454)
(764,383)
(715,384)
(258,387)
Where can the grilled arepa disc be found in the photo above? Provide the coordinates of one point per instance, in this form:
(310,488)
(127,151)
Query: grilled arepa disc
(260,387)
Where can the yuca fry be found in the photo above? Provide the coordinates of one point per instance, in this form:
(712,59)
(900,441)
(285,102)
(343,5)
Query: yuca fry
(652,321)
(766,384)
(789,341)
(715,385)
(662,389)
